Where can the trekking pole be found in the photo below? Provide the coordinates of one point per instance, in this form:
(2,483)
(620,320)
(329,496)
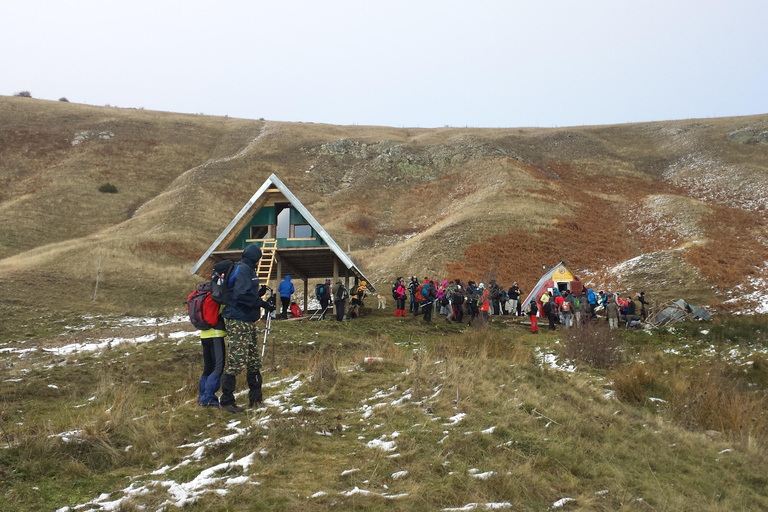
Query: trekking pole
(266,333)
(268,326)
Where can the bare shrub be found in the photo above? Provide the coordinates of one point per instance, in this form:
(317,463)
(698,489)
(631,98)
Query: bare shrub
(64,99)
(363,225)
(108,188)
(593,344)
(23,94)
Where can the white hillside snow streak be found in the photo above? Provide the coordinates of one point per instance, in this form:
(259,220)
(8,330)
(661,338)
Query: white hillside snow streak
(751,296)
(206,481)
(673,218)
(709,179)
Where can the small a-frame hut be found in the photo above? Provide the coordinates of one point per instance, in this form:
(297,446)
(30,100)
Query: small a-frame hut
(559,277)
(291,240)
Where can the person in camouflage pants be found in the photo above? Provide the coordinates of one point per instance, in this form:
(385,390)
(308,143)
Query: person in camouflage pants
(242,311)
(244,355)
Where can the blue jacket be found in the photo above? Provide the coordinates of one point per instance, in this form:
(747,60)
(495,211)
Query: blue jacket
(285,288)
(244,301)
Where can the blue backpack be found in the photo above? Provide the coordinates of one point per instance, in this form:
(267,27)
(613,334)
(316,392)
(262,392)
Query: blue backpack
(427,292)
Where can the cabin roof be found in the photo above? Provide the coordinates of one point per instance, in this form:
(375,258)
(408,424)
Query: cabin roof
(311,262)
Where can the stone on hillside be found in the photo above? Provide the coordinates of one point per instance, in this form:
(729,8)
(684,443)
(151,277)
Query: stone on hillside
(749,136)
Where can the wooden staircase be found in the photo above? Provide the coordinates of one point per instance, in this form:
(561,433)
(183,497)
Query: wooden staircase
(264,268)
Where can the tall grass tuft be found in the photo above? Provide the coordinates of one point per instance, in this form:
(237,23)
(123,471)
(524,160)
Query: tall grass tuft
(634,382)
(710,398)
(322,370)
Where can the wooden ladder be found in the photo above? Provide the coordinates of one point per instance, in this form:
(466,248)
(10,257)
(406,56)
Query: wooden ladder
(264,268)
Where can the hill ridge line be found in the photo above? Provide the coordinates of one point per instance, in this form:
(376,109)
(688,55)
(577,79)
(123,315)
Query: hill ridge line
(240,154)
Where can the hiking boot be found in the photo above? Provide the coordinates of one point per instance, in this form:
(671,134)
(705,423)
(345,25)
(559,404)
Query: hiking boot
(233,408)
(447,320)
(254,405)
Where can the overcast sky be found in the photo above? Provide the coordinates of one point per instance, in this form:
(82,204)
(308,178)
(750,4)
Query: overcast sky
(397,63)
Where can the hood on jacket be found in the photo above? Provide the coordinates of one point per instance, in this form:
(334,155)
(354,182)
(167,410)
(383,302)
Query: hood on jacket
(251,255)
(288,277)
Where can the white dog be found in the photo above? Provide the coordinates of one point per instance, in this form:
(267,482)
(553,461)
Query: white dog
(382,302)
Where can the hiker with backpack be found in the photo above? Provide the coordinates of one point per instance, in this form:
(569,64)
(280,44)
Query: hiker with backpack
(550,311)
(532,310)
(472,296)
(240,314)
(426,295)
(613,313)
(204,315)
(447,302)
(592,299)
(457,300)
(399,294)
(412,291)
(566,309)
(583,311)
(643,303)
(323,294)
(285,289)
(484,303)
(514,297)
(442,299)
(356,300)
(339,299)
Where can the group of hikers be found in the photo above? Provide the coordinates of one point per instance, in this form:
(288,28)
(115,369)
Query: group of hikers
(231,304)
(478,302)
(455,300)
(574,310)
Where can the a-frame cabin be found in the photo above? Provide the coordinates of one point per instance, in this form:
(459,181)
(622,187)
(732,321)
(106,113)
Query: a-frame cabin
(559,277)
(291,240)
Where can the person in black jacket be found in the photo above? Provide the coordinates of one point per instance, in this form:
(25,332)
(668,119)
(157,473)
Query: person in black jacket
(514,299)
(643,303)
(412,291)
(631,315)
(240,315)
(339,299)
(325,298)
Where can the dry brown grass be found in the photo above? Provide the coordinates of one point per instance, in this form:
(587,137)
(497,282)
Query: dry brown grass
(711,397)
(501,201)
(592,237)
(733,250)
(634,382)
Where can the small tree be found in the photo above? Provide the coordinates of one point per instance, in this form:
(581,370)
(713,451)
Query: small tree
(108,188)
(23,94)
(64,99)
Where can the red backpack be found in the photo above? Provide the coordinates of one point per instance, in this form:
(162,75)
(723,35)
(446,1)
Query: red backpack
(418,296)
(296,310)
(203,311)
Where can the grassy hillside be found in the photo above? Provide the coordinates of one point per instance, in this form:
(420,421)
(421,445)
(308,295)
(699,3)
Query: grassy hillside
(468,203)
(97,402)
(449,416)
